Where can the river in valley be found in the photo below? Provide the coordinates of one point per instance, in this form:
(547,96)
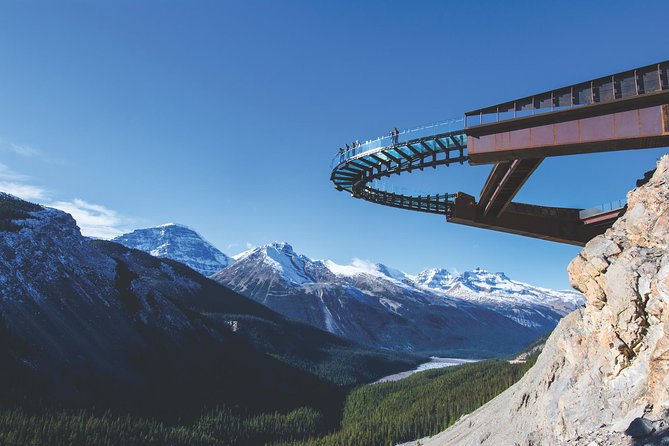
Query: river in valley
(434,363)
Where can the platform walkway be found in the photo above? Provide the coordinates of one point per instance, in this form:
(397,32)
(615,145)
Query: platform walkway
(623,111)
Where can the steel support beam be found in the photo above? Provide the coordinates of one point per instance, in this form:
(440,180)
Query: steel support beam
(554,224)
(503,184)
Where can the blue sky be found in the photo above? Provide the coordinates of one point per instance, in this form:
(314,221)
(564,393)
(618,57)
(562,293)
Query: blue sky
(224,115)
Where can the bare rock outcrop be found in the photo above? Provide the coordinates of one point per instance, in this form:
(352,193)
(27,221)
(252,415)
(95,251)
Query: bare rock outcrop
(605,369)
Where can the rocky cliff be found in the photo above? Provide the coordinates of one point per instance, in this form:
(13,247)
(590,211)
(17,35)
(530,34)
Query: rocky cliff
(602,378)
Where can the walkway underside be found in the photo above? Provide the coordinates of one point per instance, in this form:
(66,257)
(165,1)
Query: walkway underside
(562,225)
(628,110)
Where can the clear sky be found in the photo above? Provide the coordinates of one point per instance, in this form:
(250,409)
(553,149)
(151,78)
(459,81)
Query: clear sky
(224,115)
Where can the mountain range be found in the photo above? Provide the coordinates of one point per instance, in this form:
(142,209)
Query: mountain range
(476,313)
(93,322)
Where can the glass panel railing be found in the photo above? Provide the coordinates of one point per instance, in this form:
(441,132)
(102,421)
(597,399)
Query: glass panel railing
(602,208)
(403,136)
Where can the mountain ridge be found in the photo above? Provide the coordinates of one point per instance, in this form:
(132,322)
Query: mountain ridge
(326,295)
(380,306)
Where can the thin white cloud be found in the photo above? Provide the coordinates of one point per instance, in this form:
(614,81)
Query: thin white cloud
(27,151)
(94,220)
(23,150)
(24,191)
(7,174)
(19,149)
(16,184)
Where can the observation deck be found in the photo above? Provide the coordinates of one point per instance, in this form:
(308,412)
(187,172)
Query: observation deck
(623,111)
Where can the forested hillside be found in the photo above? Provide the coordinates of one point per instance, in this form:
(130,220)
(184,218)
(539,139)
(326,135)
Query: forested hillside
(376,414)
(420,405)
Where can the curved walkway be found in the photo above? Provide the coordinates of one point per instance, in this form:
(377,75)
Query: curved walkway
(628,110)
(433,145)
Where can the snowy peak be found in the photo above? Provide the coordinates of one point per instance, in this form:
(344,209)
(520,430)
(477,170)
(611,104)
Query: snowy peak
(482,280)
(530,306)
(482,285)
(280,260)
(270,249)
(180,243)
(391,272)
(435,278)
(477,280)
(280,246)
(360,267)
(498,291)
(373,303)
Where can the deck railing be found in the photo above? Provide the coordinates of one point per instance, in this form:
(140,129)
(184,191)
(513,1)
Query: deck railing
(602,208)
(423,131)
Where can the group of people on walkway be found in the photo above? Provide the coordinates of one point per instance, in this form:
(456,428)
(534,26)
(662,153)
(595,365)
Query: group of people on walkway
(349,151)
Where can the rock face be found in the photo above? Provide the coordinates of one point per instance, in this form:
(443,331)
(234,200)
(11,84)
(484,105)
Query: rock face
(606,365)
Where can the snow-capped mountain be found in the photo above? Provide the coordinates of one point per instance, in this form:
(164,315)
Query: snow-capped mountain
(434,278)
(180,243)
(473,313)
(86,320)
(369,302)
(526,304)
(279,258)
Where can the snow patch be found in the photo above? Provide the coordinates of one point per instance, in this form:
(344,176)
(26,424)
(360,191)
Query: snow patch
(359,266)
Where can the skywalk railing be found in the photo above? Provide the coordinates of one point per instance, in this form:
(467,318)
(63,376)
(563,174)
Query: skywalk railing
(602,208)
(405,199)
(424,131)
(649,79)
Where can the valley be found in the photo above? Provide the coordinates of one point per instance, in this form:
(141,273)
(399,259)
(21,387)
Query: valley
(98,330)
(476,314)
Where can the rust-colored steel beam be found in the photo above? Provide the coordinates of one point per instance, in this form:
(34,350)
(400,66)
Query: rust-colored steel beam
(505,187)
(636,128)
(547,223)
(494,177)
